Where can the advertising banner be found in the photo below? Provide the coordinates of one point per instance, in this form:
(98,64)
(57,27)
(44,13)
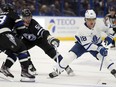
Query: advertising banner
(63,27)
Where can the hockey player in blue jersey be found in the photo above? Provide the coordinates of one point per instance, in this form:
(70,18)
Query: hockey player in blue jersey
(36,35)
(88,40)
(8,42)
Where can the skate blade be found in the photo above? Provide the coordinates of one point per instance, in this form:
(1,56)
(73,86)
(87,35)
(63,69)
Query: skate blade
(7,78)
(24,79)
(71,74)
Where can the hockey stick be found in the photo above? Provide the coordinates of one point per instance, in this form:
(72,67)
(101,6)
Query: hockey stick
(57,53)
(107,47)
(102,63)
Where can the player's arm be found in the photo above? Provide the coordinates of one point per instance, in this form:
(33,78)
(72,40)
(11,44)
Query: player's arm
(88,43)
(45,34)
(41,32)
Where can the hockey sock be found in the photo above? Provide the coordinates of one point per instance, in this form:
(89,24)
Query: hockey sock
(58,58)
(54,55)
(24,56)
(66,61)
(11,59)
(32,66)
(107,61)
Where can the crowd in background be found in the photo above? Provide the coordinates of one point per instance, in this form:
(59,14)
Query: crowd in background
(62,7)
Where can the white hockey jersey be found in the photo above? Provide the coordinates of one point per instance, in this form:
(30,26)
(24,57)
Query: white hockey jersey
(91,38)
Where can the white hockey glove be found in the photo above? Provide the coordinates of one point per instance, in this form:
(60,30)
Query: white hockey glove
(53,41)
(30,37)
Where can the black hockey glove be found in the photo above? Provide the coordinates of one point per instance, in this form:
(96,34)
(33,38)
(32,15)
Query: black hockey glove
(53,41)
(30,37)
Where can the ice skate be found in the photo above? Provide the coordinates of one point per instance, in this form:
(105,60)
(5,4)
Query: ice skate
(32,70)
(113,72)
(57,71)
(26,76)
(69,71)
(5,73)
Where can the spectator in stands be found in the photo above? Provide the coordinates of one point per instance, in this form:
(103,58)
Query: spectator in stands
(65,7)
(43,10)
(22,4)
(57,4)
(112,3)
(31,5)
(74,5)
(67,10)
(54,11)
(85,6)
(98,7)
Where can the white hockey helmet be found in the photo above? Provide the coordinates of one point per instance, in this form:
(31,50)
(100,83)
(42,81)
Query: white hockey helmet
(90,14)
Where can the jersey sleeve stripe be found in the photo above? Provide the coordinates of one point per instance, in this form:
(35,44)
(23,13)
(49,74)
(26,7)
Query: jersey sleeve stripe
(18,20)
(78,40)
(42,32)
(22,27)
(39,32)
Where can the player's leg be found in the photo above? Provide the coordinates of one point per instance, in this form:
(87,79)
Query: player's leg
(29,45)
(24,56)
(17,47)
(5,44)
(24,62)
(76,51)
(52,53)
(11,58)
(110,65)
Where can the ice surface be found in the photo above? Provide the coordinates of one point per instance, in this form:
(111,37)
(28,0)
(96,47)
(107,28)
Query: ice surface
(86,69)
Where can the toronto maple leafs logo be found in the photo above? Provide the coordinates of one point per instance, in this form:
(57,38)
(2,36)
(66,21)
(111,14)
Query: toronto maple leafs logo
(95,39)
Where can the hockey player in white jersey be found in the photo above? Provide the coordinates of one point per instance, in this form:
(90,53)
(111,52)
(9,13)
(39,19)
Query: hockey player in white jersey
(88,40)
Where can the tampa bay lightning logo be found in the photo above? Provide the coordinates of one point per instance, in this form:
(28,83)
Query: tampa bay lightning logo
(52,26)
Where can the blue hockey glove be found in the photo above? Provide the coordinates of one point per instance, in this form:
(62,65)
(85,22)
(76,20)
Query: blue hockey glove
(102,50)
(53,41)
(108,40)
